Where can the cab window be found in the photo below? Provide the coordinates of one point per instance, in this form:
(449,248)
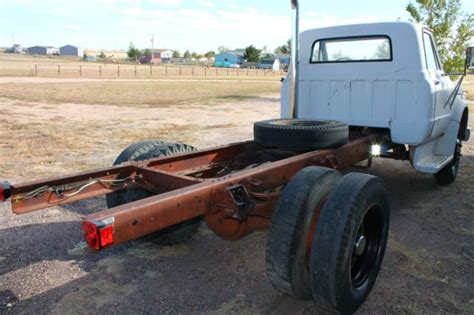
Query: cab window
(352,49)
(431,57)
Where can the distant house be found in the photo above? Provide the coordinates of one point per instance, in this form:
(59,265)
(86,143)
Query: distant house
(147,58)
(15,49)
(270,63)
(165,55)
(43,50)
(229,59)
(70,50)
(275,62)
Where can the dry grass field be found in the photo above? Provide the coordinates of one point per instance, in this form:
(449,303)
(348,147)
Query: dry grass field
(137,93)
(52,127)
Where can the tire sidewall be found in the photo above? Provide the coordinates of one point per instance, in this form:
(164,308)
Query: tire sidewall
(360,294)
(333,245)
(286,257)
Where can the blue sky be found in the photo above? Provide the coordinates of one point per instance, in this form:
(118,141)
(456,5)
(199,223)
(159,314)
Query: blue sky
(197,25)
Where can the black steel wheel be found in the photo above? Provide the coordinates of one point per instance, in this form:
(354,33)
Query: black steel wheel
(349,244)
(301,135)
(145,150)
(292,228)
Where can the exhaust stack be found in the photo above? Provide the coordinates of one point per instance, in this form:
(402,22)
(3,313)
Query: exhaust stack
(294,59)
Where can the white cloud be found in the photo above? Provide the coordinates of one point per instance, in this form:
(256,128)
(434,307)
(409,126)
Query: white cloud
(206,3)
(72,27)
(167,3)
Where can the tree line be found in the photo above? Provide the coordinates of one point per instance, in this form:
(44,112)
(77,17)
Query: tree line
(251,54)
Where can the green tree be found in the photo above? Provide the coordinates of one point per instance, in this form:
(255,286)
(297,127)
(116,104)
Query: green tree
(222,49)
(194,54)
(209,54)
(176,54)
(452,28)
(252,54)
(102,55)
(187,54)
(285,49)
(133,52)
(147,52)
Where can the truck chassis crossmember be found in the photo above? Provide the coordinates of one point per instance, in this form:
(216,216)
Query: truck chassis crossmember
(234,187)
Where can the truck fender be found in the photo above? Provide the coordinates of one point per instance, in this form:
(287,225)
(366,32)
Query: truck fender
(455,130)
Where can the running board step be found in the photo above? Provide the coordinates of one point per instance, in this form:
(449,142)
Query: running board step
(433,163)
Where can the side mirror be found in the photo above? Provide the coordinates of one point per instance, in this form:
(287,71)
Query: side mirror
(470,58)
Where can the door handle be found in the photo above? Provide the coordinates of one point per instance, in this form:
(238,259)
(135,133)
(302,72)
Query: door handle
(436,82)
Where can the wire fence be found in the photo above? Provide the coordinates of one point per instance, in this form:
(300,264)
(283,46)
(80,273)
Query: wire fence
(140,71)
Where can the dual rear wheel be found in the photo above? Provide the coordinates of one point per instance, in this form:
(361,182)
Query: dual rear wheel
(328,237)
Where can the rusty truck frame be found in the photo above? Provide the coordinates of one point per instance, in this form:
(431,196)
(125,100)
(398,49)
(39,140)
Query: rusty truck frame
(233,187)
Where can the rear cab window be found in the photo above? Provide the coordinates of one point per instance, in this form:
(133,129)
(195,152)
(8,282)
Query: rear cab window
(352,49)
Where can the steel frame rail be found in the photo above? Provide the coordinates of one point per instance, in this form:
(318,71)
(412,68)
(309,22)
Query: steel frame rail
(233,205)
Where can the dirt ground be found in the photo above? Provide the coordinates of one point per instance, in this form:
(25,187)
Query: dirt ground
(45,267)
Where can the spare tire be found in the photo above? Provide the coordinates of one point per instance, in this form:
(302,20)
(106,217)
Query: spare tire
(301,135)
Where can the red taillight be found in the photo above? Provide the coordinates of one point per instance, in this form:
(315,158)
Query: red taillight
(90,235)
(106,236)
(97,237)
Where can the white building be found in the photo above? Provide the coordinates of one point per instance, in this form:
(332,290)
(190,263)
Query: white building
(165,54)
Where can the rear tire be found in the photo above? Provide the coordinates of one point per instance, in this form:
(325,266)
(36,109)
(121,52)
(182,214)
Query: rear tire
(145,150)
(449,173)
(349,243)
(287,257)
(301,135)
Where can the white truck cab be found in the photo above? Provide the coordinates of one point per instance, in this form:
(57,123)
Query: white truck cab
(382,75)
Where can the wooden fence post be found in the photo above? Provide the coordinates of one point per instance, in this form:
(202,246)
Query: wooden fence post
(151,69)
(59,70)
(166,70)
(118,71)
(100,71)
(135,71)
(193,71)
(80,71)
(180,70)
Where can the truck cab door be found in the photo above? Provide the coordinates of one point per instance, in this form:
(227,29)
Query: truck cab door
(443,86)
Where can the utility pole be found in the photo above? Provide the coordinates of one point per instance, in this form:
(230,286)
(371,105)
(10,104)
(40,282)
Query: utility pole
(152,50)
